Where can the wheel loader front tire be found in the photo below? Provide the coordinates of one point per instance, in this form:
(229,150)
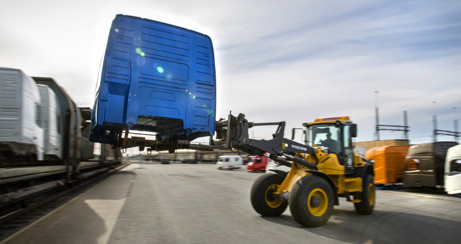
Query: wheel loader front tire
(311,201)
(367,196)
(262,198)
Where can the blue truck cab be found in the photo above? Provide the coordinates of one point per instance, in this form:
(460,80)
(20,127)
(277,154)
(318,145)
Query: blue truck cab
(155,77)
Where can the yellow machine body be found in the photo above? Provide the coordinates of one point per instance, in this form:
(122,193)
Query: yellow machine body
(328,164)
(326,169)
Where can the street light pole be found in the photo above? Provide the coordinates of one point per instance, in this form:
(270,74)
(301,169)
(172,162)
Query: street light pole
(377,115)
(456,126)
(434,120)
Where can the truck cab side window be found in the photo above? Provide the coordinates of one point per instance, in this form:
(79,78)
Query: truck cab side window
(455,167)
(412,164)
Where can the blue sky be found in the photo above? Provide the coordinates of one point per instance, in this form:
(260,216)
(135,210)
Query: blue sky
(275,60)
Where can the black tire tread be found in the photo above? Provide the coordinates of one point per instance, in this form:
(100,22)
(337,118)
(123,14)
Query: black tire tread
(363,207)
(257,197)
(298,210)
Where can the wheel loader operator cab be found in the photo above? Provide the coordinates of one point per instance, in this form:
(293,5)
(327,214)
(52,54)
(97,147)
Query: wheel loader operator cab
(334,135)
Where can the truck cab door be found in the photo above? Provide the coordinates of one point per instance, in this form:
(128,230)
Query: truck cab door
(453,177)
(453,171)
(427,176)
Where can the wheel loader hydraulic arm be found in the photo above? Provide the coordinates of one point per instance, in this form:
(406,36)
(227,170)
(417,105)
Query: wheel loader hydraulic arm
(237,136)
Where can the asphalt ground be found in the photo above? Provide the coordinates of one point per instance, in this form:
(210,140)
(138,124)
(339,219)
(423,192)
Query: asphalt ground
(197,203)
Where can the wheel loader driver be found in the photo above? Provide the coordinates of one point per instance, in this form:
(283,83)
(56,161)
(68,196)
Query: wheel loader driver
(331,144)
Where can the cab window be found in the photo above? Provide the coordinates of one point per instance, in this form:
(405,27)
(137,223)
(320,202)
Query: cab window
(412,164)
(455,167)
(348,148)
(325,136)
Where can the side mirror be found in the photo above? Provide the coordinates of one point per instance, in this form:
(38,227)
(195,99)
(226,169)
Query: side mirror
(293,131)
(353,130)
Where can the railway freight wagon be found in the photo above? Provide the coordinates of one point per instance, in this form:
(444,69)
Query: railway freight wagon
(388,162)
(74,125)
(425,164)
(68,124)
(155,77)
(41,125)
(39,122)
(42,139)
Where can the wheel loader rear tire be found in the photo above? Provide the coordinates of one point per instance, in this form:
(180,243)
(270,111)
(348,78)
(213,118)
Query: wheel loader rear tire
(367,196)
(311,201)
(262,198)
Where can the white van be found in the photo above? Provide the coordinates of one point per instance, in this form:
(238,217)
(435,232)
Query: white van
(229,162)
(453,170)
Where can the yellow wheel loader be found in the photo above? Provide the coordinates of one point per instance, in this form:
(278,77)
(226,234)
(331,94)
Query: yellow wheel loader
(323,169)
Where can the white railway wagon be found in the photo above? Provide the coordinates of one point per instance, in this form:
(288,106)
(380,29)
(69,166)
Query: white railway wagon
(20,114)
